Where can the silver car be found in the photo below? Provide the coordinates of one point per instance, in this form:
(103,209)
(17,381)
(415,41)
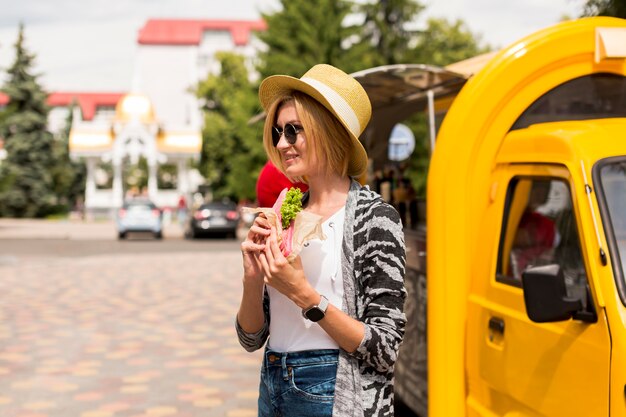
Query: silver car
(139,216)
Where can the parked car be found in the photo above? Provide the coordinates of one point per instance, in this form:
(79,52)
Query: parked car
(217,217)
(139,216)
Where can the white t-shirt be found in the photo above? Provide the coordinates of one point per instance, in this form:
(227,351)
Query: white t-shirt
(321,260)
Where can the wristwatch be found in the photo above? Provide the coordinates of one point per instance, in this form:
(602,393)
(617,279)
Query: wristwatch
(316,313)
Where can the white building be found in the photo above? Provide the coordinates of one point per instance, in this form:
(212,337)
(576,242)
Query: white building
(174,55)
(160,119)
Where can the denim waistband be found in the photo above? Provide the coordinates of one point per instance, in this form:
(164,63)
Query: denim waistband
(304,357)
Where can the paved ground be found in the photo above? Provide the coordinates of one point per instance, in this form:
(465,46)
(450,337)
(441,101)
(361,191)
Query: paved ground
(119,334)
(69,229)
(95,327)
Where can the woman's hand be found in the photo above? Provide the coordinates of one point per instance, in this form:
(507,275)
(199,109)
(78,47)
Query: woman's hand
(252,247)
(287,278)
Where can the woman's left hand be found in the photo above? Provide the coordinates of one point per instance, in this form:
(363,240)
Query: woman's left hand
(286,277)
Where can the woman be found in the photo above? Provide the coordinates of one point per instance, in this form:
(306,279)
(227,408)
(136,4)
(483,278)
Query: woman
(334,316)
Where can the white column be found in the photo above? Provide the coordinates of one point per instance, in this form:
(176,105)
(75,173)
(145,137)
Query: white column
(118,188)
(90,186)
(153,189)
(182,175)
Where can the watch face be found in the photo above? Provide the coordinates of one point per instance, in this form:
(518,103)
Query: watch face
(314,314)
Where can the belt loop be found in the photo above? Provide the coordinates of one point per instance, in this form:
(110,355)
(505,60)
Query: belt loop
(283,363)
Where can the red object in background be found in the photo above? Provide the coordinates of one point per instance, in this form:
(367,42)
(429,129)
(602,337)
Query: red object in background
(270,183)
(540,229)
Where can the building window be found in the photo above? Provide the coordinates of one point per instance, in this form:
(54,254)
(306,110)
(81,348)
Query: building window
(104,113)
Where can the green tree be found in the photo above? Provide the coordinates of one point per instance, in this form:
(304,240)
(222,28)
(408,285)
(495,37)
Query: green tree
(387,32)
(232,150)
(25,177)
(615,8)
(364,34)
(68,176)
(443,42)
(305,33)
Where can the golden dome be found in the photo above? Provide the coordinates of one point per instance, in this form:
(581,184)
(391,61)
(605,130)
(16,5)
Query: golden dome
(134,107)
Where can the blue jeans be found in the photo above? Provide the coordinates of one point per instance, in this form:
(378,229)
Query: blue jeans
(298,384)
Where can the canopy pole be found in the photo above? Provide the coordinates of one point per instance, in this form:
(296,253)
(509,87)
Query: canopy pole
(431,119)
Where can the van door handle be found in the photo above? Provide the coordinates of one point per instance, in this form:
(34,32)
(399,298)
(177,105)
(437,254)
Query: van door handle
(496,324)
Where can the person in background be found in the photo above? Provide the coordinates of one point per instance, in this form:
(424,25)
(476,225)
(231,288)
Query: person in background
(331,320)
(537,235)
(271,182)
(182,209)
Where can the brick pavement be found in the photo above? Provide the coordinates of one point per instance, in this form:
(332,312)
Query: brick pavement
(140,335)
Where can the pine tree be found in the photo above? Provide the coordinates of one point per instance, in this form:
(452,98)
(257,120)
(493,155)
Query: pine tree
(25,178)
(305,33)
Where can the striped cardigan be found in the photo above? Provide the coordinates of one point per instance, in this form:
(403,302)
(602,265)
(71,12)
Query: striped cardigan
(373,254)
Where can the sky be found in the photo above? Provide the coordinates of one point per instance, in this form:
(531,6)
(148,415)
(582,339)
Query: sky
(89,45)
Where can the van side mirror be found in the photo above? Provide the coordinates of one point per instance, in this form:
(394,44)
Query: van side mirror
(545,295)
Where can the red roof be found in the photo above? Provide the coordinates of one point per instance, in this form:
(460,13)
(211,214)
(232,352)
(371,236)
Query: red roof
(88,102)
(189,32)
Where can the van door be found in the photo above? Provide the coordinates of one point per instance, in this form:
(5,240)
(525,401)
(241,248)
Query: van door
(516,367)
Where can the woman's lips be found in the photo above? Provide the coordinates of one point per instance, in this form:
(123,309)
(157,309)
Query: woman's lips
(290,158)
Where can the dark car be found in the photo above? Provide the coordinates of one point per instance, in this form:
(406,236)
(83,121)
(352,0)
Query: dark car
(139,216)
(217,217)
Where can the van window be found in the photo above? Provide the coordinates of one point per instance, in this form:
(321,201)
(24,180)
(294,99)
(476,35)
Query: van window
(613,182)
(595,96)
(540,229)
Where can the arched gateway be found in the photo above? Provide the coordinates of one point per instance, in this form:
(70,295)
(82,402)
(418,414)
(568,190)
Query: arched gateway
(133,134)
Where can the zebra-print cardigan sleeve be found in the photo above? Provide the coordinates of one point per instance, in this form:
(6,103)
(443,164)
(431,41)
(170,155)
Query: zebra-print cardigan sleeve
(255,341)
(379,270)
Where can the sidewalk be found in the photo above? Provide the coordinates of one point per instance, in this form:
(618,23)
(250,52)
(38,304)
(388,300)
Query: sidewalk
(123,334)
(69,229)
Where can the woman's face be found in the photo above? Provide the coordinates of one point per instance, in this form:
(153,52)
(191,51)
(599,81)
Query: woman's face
(294,157)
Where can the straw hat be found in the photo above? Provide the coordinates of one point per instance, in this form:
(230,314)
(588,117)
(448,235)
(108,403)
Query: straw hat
(341,94)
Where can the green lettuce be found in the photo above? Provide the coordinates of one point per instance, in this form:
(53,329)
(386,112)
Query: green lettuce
(292,205)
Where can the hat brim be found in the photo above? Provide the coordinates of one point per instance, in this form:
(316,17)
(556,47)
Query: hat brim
(276,86)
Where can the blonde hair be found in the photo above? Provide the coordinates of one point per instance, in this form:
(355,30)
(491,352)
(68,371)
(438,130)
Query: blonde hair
(325,135)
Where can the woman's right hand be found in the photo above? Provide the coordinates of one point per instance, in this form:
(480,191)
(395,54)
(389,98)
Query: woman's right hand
(251,247)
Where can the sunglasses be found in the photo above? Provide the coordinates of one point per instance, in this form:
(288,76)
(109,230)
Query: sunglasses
(289,131)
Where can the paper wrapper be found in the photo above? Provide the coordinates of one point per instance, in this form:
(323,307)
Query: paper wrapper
(306,226)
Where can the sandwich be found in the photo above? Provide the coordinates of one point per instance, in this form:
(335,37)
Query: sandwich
(293,225)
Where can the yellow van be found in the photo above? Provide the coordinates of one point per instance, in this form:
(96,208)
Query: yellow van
(517,287)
